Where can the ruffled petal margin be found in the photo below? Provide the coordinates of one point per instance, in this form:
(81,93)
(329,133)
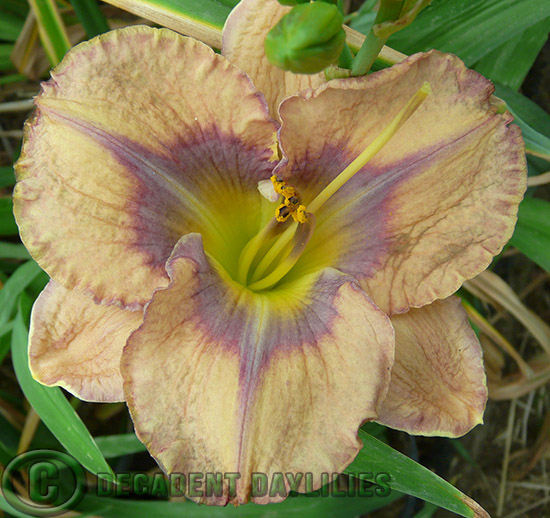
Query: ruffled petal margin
(438,384)
(141,136)
(77,344)
(221,380)
(243,44)
(434,206)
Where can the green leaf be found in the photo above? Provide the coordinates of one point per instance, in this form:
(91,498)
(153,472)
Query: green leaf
(533,121)
(17,282)
(376,430)
(8,227)
(530,112)
(409,477)
(204,20)
(51,29)
(209,11)
(53,408)
(510,62)
(90,16)
(13,251)
(118,445)
(532,233)
(469,28)
(293,507)
(363,19)
(535,143)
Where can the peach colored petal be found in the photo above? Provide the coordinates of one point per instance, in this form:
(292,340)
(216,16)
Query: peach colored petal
(134,144)
(438,381)
(243,44)
(221,380)
(77,344)
(434,206)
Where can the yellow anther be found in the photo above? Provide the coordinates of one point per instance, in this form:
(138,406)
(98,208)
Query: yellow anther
(300,216)
(282,213)
(282,188)
(291,205)
(278,183)
(288,191)
(292,202)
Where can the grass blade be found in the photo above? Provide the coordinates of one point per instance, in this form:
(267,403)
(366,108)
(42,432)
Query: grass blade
(51,29)
(202,20)
(470,28)
(13,251)
(510,63)
(533,121)
(532,233)
(409,477)
(118,445)
(17,282)
(531,113)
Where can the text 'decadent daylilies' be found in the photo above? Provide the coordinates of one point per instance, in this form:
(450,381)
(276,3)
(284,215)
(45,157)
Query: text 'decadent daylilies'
(138,191)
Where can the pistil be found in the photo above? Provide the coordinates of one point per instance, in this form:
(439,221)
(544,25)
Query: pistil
(293,234)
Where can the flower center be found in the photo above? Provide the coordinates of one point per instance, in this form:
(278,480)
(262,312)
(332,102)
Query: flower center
(272,253)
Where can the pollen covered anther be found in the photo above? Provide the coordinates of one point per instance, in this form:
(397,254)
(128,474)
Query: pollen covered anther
(291,205)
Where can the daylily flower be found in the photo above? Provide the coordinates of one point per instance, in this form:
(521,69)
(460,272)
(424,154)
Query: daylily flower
(137,193)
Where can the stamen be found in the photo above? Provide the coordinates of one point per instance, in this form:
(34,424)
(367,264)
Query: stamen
(253,246)
(274,251)
(291,205)
(299,241)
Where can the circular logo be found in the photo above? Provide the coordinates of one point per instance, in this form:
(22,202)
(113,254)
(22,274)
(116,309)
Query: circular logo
(43,482)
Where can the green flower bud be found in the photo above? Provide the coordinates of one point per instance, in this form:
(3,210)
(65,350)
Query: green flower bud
(307,39)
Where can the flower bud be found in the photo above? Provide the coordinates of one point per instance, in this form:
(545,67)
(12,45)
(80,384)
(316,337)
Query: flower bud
(307,39)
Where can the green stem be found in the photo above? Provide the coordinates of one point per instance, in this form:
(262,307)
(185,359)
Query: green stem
(389,11)
(346,58)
